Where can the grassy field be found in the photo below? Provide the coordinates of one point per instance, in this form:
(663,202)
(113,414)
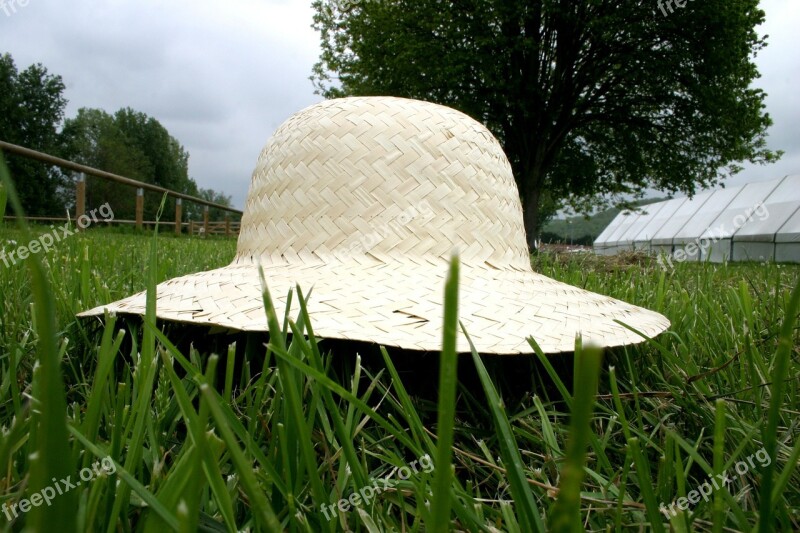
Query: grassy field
(296,438)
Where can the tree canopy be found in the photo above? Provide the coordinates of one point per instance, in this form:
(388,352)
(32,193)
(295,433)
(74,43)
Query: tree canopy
(31,110)
(594,102)
(131,144)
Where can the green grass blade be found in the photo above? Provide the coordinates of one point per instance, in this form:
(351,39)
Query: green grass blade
(196,429)
(448,376)
(290,388)
(345,439)
(780,370)
(786,474)
(146,373)
(646,485)
(565,515)
(106,356)
(148,497)
(526,508)
(233,420)
(52,457)
(719,460)
(259,505)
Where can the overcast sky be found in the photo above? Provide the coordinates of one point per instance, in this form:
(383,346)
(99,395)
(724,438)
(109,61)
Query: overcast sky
(222,76)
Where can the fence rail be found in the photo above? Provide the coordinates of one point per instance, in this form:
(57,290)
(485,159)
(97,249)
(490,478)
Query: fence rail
(80,194)
(225,228)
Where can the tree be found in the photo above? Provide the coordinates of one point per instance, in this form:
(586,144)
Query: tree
(195,211)
(593,101)
(31,110)
(168,161)
(131,144)
(95,140)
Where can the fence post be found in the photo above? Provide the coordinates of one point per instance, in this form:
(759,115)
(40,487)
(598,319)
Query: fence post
(139,208)
(80,197)
(205,221)
(191,228)
(178,221)
(227,226)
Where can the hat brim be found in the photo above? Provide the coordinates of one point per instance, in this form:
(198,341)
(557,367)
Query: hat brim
(402,305)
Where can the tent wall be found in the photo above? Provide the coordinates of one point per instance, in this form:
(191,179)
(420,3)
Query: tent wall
(757,221)
(687,242)
(732,218)
(787,241)
(627,241)
(787,252)
(661,213)
(756,240)
(601,244)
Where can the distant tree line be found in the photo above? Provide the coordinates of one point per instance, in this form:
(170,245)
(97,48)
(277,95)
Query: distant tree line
(128,143)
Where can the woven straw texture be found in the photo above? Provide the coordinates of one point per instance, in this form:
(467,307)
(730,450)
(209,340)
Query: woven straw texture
(365,200)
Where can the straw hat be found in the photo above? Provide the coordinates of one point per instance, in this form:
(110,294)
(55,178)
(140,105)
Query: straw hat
(365,199)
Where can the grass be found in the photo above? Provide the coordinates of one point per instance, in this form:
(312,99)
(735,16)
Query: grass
(230,437)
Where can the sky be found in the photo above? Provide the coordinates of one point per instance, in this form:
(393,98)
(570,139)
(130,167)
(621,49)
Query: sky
(222,76)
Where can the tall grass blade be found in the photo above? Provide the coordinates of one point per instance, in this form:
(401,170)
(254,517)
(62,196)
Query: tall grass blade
(448,376)
(148,497)
(259,505)
(146,372)
(526,509)
(565,515)
(780,370)
(52,458)
(288,377)
(646,485)
(208,460)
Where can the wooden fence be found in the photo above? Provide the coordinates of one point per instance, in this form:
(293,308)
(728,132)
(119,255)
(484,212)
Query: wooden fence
(204,227)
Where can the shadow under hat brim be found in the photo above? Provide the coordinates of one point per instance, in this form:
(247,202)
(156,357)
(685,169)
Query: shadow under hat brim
(402,305)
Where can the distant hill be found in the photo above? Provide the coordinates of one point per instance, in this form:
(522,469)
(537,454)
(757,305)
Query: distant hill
(580,230)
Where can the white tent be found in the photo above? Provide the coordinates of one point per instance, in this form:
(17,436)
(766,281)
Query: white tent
(757,239)
(687,240)
(627,241)
(662,240)
(626,220)
(757,221)
(645,236)
(717,239)
(787,241)
(601,244)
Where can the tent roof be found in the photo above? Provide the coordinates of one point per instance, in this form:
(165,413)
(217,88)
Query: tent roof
(680,218)
(658,219)
(610,229)
(703,218)
(645,216)
(740,209)
(790,231)
(654,221)
(769,218)
(629,219)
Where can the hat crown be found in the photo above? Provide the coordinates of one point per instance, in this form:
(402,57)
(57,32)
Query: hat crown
(383,179)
